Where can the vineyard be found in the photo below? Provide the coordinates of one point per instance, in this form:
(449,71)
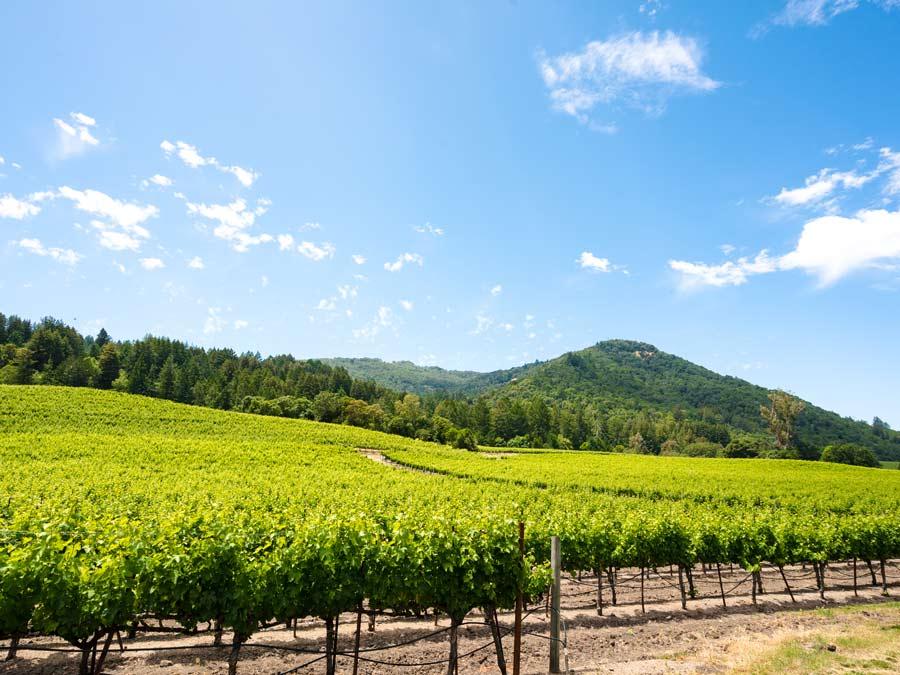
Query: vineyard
(121,514)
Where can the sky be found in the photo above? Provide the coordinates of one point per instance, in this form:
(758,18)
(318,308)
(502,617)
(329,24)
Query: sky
(470,185)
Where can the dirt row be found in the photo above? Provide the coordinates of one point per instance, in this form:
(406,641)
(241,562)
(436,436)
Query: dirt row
(706,637)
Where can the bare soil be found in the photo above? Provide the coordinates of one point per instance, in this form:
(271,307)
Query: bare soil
(705,638)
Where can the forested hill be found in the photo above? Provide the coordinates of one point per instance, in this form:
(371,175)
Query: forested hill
(407,376)
(630,375)
(617,395)
(636,375)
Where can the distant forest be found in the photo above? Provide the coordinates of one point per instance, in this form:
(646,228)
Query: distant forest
(557,410)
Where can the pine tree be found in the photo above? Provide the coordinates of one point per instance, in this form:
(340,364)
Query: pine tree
(165,384)
(109,366)
(102,338)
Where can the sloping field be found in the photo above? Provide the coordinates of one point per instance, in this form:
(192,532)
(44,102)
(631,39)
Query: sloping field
(117,509)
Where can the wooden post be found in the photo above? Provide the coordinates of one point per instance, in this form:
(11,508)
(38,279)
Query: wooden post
(554,618)
(855,591)
(600,590)
(884,588)
(787,586)
(517,630)
(681,587)
(721,586)
(359,613)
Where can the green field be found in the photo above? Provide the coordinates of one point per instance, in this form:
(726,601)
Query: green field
(114,506)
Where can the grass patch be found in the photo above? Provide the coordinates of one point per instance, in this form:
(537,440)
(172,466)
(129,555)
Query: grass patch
(864,639)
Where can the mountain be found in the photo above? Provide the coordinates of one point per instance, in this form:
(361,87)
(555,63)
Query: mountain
(630,375)
(407,376)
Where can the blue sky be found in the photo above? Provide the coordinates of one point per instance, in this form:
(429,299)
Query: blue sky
(467,185)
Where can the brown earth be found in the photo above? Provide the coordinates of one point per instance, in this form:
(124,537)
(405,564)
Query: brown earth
(776,635)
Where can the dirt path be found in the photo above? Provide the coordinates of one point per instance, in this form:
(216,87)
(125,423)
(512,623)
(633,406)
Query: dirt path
(378,456)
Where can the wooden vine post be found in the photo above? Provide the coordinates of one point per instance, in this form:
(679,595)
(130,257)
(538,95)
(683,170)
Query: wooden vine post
(554,612)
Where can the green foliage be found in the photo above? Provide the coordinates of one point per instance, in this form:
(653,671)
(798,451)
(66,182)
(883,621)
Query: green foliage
(848,453)
(616,394)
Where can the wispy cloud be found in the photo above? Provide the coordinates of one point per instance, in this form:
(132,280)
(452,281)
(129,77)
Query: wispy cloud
(234,220)
(75,136)
(404,259)
(589,261)
(384,318)
(196,263)
(17,209)
(815,12)
(151,264)
(64,255)
(192,158)
(428,228)
(316,252)
(830,248)
(638,70)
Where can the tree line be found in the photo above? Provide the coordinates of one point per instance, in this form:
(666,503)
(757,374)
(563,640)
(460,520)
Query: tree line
(51,352)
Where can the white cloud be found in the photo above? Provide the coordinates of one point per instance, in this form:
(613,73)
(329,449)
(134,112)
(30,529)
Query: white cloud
(641,70)
(830,247)
(192,158)
(234,219)
(727,249)
(285,242)
(64,255)
(358,259)
(10,207)
(118,241)
(407,305)
(151,264)
(404,259)
(196,263)
(482,324)
(125,215)
(240,323)
(506,326)
(651,7)
(820,186)
(83,119)
(819,12)
(890,165)
(589,261)
(159,179)
(428,228)
(214,322)
(384,318)
(264,281)
(347,291)
(74,139)
(496,290)
(314,252)
(730,273)
(327,304)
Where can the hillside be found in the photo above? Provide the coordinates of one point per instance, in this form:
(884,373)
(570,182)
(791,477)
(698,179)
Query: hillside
(616,395)
(638,375)
(407,376)
(631,375)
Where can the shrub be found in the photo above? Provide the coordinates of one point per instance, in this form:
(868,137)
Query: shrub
(849,453)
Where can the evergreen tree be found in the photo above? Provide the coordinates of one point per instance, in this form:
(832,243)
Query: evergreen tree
(109,366)
(141,369)
(102,338)
(165,383)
